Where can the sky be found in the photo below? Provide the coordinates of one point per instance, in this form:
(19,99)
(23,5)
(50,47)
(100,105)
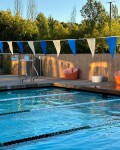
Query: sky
(59,9)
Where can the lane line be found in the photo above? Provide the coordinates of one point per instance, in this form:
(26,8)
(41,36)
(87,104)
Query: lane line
(52,134)
(40,96)
(62,106)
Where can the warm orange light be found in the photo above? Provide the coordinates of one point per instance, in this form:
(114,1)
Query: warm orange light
(117,79)
(54,66)
(98,68)
(117,87)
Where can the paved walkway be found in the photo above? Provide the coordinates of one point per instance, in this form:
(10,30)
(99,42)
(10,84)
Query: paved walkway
(13,82)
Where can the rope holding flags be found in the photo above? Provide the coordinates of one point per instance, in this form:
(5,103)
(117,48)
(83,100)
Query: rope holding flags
(112,42)
(72,44)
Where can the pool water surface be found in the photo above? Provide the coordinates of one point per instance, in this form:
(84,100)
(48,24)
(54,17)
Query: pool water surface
(34,112)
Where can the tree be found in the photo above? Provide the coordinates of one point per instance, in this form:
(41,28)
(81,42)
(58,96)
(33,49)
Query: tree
(18,7)
(15,28)
(56,29)
(93,11)
(6,21)
(73,15)
(73,30)
(115,14)
(51,23)
(59,31)
(43,26)
(32,10)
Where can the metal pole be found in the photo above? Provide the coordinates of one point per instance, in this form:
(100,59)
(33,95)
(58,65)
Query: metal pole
(110,16)
(110,26)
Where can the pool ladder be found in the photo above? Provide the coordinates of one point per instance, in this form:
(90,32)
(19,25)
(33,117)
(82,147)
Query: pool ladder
(26,75)
(36,73)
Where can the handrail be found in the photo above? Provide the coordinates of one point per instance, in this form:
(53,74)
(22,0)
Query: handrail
(36,73)
(25,73)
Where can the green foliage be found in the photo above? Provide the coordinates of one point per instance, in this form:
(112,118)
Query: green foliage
(59,31)
(94,25)
(43,26)
(115,14)
(93,12)
(15,28)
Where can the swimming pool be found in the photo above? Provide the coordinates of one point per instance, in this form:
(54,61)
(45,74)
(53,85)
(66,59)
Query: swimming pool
(58,119)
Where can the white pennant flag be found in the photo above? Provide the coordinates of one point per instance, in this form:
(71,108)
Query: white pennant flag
(30,43)
(10,47)
(57,46)
(91,43)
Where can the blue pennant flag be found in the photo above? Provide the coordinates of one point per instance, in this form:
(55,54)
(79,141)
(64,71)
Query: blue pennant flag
(72,44)
(112,42)
(43,46)
(1,47)
(20,45)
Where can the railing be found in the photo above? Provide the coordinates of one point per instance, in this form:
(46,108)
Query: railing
(32,67)
(36,73)
(26,75)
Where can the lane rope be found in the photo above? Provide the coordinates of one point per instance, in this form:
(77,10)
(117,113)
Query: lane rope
(39,96)
(52,134)
(14,112)
(62,106)
(77,105)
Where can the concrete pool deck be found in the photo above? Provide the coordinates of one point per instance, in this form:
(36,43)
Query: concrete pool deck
(10,82)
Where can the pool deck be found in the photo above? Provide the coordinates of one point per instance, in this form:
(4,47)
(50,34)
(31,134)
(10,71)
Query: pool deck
(11,82)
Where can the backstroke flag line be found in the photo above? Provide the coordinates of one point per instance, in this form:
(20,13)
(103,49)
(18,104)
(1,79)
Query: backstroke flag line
(10,47)
(31,44)
(43,46)
(112,42)
(72,44)
(91,43)
(20,45)
(57,46)
(1,46)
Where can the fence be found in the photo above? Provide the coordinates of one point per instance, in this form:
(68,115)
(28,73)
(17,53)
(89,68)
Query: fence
(101,64)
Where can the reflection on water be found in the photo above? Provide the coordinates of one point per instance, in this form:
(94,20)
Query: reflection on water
(95,109)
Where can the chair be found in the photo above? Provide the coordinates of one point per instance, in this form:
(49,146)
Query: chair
(71,73)
(117,77)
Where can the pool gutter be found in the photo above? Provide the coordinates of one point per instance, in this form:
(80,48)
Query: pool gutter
(104,87)
(94,88)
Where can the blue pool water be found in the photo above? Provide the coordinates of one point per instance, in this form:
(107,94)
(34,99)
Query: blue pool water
(33,112)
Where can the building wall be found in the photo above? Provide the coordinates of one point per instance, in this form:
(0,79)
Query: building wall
(100,64)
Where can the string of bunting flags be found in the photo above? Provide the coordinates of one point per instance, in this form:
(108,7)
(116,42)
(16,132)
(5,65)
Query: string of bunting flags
(111,41)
